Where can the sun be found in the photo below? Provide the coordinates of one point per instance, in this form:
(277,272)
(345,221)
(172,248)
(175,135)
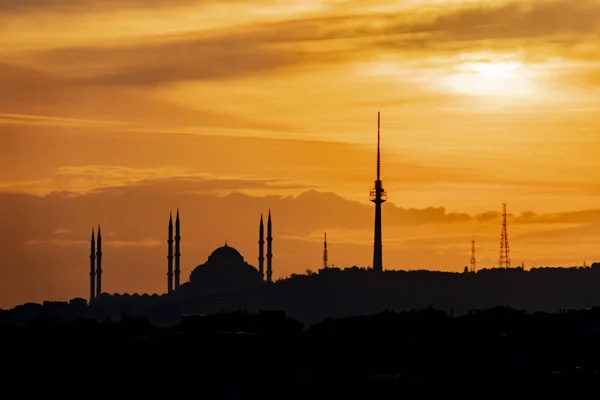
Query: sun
(491,74)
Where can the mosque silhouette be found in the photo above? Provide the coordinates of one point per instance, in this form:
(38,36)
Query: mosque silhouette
(225,270)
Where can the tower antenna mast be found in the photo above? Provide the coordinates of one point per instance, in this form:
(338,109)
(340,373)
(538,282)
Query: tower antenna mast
(325,261)
(504,261)
(378,147)
(473,260)
(378,195)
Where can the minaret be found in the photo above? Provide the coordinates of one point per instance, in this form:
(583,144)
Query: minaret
(177,252)
(325,264)
(170,256)
(92,270)
(99,265)
(269,250)
(378,196)
(261,248)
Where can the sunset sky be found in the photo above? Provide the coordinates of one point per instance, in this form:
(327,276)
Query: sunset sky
(118,112)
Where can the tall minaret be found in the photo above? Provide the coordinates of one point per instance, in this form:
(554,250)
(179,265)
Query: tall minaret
(170,256)
(325,264)
(99,265)
(92,269)
(177,252)
(269,250)
(261,248)
(378,196)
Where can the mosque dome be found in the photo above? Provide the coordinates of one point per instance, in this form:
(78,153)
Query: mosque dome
(226,255)
(225,270)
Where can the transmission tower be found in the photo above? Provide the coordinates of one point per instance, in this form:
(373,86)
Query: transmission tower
(325,264)
(378,195)
(504,248)
(473,261)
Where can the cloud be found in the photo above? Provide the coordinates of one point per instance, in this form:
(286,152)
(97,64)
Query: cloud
(98,178)
(487,216)
(188,57)
(38,6)
(146,242)
(62,231)
(487,21)
(520,20)
(40,97)
(44,120)
(572,217)
(287,46)
(97,158)
(55,242)
(123,83)
(221,58)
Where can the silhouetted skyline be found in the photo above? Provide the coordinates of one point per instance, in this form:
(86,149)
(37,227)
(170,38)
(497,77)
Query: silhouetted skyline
(186,126)
(227,116)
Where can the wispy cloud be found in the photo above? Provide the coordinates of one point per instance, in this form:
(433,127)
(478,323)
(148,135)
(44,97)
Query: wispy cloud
(147,242)
(45,120)
(269,47)
(87,5)
(56,242)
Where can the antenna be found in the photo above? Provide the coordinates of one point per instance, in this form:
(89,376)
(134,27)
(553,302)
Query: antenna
(378,147)
(504,261)
(378,195)
(325,261)
(473,260)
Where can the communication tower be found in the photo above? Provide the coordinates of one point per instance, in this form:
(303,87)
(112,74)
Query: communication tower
(325,264)
(378,195)
(504,261)
(473,260)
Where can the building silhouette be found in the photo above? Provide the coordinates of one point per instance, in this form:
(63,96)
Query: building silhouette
(225,268)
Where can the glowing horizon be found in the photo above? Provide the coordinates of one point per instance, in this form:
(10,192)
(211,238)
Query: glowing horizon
(265,102)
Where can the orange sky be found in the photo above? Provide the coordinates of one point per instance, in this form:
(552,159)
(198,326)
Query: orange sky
(118,114)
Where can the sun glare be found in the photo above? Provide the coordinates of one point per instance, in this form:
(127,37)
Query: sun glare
(491,74)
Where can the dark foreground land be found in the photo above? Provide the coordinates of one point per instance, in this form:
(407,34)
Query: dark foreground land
(498,353)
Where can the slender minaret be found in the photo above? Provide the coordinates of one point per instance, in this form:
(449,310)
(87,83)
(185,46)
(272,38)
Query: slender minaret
(378,196)
(177,250)
(269,250)
(325,264)
(92,269)
(99,265)
(170,256)
(261,248)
